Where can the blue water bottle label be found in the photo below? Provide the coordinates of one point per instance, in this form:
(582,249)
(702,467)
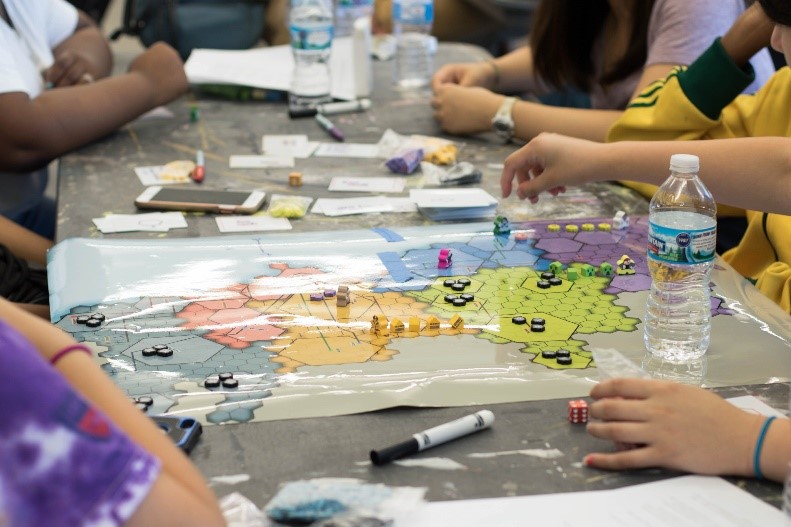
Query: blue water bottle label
(681,246)
(311,39)
(414,13)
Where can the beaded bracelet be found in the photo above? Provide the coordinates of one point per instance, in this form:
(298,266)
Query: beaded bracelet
(68,349)
(758,445)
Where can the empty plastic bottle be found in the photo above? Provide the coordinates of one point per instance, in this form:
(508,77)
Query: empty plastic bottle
(311,28)
(347,11)
(682,238)
(414,59)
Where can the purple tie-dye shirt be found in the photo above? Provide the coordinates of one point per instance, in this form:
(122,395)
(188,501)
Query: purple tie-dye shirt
(62,462)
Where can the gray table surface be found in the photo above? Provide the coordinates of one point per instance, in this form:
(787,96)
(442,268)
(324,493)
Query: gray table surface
(99,179)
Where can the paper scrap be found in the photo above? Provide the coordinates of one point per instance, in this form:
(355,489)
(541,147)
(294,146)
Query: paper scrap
(348,206)
(252,223)
(261,162)
(296,146)
(150,222)
(367,184)
(359,150)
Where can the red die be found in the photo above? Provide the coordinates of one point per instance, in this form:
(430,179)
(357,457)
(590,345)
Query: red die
(578,411)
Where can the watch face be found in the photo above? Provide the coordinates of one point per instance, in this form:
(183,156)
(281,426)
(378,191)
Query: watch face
(502,126)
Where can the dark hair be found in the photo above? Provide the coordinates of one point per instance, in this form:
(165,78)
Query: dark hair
(563,37)
(778,10)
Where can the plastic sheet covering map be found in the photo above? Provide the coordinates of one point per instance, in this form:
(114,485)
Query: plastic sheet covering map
(262,308)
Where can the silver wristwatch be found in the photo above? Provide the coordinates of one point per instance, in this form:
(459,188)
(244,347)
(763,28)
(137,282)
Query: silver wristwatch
(503,123)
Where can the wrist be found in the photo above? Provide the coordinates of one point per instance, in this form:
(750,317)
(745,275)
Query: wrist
(493,77)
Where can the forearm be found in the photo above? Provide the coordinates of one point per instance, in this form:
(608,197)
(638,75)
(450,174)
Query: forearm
(61,120)
(515,72)
(530,119)
(23,243)
(85,377)
(89,42)
(752,173)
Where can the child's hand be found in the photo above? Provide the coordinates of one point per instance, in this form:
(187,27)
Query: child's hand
(461,110)
(681,427)
(467,74)
(70,68)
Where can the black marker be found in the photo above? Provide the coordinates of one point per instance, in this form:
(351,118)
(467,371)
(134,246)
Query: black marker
(434,436)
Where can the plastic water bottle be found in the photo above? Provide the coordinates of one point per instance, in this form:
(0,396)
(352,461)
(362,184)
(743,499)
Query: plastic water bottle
(682,237)
(310,25)
(412,20)
(347,11)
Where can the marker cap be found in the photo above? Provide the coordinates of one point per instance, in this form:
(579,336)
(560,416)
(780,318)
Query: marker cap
(391,453)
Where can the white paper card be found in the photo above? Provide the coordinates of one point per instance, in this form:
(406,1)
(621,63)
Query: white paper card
(261,162)
(150,176)
(296,146)
(348,206)
(367,184)
(359,150)
(252,223)
(151,222)
(752,404)
(452,198)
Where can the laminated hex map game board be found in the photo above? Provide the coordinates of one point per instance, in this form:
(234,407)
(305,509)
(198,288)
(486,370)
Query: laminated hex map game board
(257,328)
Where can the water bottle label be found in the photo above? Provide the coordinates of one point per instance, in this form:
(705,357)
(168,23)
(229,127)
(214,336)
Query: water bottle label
(681,246)
(311,39)
(414,13)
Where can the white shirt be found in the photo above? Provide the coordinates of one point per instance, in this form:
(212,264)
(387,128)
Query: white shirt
(25,51)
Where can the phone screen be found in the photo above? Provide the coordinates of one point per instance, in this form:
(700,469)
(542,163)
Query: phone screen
(223,197)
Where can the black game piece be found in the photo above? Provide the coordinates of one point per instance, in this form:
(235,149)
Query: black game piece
(459,302)
(211,382)
(82,319)
(543,284)
(93,323)
(225,376)
(146,400)
(537,328)
(230,383)
(547,275)
(159,346)
(142,407)
(549,354)
(539,321)
(98,316)
(449,282)
(555,281)
(165,352)
(564,361)
(564,353)
(464,281)
(450,298)
(519,320)
(469,297)
(149,352)
(458,287)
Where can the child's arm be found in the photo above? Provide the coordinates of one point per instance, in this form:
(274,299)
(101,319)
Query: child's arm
(23,243)
(179,496)
(35,131)
(83,57)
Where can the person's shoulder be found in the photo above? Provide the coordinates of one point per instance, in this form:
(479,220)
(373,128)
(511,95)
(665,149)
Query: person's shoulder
(692,8)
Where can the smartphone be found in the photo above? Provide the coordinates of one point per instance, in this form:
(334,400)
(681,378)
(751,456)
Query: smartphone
(184,431)
(191,199)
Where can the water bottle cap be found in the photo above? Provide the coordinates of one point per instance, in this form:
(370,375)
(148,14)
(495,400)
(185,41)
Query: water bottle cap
(684,163)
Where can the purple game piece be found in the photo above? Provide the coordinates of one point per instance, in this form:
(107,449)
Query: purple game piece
(405,162)
(329,293)
(316,297)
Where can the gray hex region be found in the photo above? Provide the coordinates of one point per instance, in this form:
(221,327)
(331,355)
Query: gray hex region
(189,349)
(559,245)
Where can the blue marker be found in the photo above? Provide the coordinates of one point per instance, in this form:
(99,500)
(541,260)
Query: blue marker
(434,436)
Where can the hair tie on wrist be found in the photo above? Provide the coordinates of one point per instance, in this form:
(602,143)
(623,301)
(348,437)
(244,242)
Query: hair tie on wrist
(68,349)
(759,445)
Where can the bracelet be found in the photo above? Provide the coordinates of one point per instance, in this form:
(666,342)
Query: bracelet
(758,445)
(68,349)
(496,69)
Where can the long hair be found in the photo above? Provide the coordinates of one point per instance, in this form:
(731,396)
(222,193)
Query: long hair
(778,10)
(563,37)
